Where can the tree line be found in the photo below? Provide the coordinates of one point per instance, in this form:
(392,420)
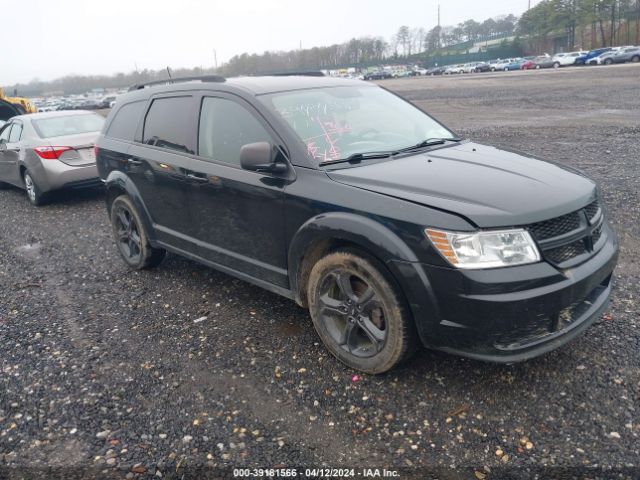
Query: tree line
(585,23)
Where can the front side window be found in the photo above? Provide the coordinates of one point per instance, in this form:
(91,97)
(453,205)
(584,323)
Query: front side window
(167,123)
(335,123)
(49,127)
(225,126)
(16,133)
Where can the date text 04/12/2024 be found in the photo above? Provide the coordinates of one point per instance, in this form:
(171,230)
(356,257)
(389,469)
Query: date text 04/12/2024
(314,473)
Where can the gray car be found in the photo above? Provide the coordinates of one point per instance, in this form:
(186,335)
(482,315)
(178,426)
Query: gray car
(42,152)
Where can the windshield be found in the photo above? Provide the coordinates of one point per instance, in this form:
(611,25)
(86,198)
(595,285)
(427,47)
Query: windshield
(336,123)
(68,125)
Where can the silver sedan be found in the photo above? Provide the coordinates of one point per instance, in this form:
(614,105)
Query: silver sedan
(42,152)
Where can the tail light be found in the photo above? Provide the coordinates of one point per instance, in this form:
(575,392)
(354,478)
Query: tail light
(96,149)
(51,153)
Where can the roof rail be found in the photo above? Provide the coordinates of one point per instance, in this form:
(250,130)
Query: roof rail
(311,73)
(168,81)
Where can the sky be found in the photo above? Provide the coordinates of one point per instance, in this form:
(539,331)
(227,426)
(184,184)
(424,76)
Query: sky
(54,38)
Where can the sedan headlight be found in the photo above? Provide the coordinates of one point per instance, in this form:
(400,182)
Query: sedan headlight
(485,249)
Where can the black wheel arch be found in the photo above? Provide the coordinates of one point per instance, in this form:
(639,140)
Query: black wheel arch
(118,183)
(339,230)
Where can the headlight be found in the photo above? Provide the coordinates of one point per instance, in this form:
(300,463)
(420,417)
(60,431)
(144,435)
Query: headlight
(488,249)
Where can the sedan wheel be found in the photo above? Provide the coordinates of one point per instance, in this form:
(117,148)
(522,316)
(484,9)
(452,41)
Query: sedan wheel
(359,314)
(34,194)
(537,67)
(608,61)
(635,59)
(556,65)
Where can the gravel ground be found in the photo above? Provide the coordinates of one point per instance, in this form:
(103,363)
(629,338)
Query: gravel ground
(109,372)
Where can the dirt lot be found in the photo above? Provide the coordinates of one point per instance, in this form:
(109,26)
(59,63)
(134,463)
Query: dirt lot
(107,370)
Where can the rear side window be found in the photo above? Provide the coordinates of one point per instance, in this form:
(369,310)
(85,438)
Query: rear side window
(167,123)
(225,127)
(68,125)
(16,133)
(125,123)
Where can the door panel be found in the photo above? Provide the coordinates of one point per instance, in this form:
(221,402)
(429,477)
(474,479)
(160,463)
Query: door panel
(238,216)
(159,166)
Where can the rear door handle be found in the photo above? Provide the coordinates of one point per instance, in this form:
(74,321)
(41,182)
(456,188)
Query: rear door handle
(131,161)
(197,178)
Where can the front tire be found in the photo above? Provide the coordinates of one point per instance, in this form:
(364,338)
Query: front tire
(635,59)
(556,65)
(359,313)
(608,61)
(131,237)
(35,195)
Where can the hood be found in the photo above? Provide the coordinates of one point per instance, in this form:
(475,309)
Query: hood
(488,186)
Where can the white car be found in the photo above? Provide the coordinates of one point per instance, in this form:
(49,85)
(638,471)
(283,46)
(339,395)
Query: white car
(501,64)
(566,59)
(470,67)
(453,69)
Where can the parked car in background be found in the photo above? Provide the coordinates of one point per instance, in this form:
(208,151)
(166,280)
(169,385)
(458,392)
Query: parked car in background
(478,251)
(627,54)
(470,67)
(501,64)
(436,71)
(543,61)
(454,69)
(599,59)
(584,59)
(482,67)
(107,101)
(566,59)
(378,75)
(41,152)
(528,64)
(514,64)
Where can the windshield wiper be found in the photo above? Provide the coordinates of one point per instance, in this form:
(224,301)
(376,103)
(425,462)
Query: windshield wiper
(357,157)
(429,142)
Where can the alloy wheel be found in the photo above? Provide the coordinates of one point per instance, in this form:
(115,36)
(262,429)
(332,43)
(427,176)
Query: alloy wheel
(30,187)
(352,313)
(128,234)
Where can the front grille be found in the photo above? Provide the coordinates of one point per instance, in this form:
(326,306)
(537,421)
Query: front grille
(566,252)
(563,239)
(592,210)
(556,226)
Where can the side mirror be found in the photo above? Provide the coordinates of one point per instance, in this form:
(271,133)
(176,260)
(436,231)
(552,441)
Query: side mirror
(3,146)
(260,157)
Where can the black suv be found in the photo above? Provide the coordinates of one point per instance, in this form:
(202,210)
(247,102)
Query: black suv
(354,203)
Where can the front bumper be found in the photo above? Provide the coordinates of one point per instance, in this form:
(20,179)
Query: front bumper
(508,314)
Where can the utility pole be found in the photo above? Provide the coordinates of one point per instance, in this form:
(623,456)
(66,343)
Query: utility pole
(438,42)
(215,59)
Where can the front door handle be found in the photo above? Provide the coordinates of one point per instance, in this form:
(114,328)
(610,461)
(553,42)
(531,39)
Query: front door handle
(131,161)
(197,178)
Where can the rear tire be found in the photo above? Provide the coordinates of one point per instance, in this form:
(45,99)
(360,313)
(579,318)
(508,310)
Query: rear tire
(608,61)
(556,65)
(35,195)
(635,59)
(131,237)
(359,313)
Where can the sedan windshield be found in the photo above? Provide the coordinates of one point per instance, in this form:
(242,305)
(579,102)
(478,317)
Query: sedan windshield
(340,122)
